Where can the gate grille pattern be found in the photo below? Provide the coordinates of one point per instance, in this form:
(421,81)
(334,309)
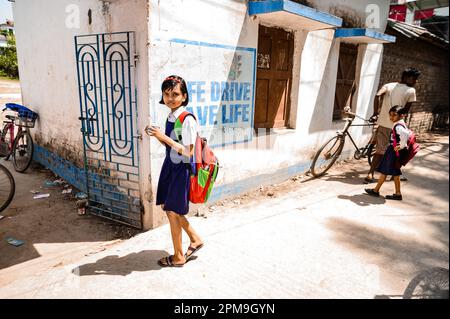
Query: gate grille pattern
(105,67)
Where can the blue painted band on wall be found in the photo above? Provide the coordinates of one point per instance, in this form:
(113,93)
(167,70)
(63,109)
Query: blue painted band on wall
(253,182)
(261,7)
(65,169)
(270,6)
(361,32)
(207,44)
(76,176)
(380,36)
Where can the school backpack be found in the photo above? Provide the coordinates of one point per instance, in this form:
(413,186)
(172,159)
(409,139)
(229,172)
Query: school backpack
(204,166)
(412,147)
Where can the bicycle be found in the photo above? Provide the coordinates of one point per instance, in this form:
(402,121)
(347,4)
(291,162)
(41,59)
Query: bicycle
(7,187)
(429,284)
(329,152)
(19,145)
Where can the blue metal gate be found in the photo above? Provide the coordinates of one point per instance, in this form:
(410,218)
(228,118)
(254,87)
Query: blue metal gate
(106,66)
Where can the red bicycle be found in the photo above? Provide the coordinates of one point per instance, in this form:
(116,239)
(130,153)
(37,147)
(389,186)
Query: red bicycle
(15,137)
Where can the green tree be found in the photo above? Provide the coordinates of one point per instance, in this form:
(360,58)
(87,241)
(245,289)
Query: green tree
(8,57)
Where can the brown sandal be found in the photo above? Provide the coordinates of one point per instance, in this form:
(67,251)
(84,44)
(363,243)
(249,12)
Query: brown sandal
(192,250)
(168,262)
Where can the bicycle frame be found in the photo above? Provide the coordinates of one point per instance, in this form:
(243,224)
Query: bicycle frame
(329,152)
(12,133)
(20,144)
(348,124)
(11,136)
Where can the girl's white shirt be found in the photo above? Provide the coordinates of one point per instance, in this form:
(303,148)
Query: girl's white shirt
(189,128)
(403,132)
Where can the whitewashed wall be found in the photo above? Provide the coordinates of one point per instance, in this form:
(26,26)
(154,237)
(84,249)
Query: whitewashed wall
(314,79)
(197,40)
(48,71)
(46,57)
(365,13)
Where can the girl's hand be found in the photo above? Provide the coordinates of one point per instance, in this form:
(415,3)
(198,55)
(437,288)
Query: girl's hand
(397,148)
(153,131)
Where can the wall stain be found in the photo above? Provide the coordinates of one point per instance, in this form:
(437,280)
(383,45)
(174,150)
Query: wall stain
(62,148)
(304,2)
(350,17)
(107,14)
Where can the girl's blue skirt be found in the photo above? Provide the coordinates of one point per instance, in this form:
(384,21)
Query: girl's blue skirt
(387,165)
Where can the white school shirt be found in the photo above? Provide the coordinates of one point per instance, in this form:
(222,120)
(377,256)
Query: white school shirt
(189,128)
(403,133)
(396,94)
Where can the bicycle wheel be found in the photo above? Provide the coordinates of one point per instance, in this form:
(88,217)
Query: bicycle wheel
(5,137)
(7,187)
(370,153)
(327,155)
(22,152)
(429,284)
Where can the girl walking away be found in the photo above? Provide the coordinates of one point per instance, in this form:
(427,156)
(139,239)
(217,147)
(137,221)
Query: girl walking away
(174,181)
(400,93)
(388,165)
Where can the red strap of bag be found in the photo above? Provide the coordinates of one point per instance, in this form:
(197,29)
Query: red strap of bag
(394,137)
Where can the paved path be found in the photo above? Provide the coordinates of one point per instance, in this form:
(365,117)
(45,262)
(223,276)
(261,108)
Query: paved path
(321,239)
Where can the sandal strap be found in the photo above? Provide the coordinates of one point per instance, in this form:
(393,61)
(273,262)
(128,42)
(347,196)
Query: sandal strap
(190,248)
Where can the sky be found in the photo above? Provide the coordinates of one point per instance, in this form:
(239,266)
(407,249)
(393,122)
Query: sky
(5,11)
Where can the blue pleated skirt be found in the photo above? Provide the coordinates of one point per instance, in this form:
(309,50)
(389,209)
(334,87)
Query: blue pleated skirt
(387,164)
(174,180)
(173,187)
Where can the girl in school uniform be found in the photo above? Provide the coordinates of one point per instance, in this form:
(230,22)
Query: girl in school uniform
(174,181)
(388,164)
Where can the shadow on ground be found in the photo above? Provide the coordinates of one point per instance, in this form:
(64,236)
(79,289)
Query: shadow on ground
(388,247)
(364,199)
(353,177)
(49,221)
(145,260)
(425,160)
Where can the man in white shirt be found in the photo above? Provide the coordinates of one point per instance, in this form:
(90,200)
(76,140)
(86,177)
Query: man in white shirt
(400,93)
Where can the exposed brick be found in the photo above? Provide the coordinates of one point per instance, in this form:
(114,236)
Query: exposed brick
(432,108)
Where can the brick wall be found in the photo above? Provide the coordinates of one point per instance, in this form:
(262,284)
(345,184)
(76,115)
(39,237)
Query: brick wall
(431,110)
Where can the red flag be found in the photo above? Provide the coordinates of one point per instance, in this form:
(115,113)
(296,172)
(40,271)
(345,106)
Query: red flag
(398,12)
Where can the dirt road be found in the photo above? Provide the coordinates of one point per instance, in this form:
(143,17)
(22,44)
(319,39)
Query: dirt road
(304,238)
(53,232)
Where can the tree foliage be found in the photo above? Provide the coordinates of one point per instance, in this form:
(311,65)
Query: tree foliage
(8,57)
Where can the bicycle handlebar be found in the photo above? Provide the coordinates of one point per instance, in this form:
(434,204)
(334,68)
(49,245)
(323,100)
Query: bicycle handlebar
(347,111)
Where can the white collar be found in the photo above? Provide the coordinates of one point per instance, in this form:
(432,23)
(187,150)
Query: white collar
(174,115)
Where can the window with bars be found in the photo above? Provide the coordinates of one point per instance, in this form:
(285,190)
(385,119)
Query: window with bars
(346,79)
